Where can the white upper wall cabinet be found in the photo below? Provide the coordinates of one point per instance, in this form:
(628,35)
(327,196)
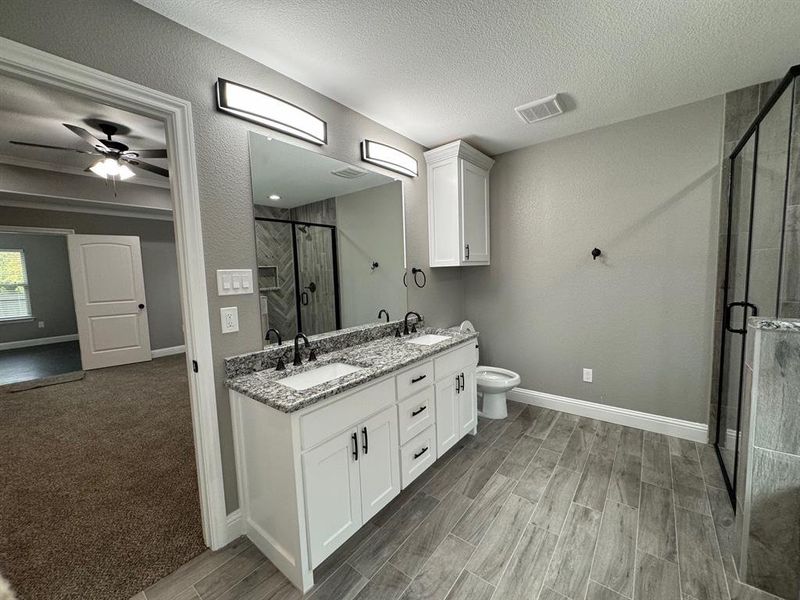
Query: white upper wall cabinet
(458,205)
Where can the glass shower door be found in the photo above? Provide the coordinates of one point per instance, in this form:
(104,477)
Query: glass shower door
(734,315)
(316,278)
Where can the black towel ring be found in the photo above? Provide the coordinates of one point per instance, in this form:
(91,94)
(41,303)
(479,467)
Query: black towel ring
(415,271)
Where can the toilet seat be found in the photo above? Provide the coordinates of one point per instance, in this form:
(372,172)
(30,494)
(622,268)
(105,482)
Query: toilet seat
(496,378)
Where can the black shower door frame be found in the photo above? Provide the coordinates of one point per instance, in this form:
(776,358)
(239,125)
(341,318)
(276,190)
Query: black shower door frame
(335,254)
(752,132)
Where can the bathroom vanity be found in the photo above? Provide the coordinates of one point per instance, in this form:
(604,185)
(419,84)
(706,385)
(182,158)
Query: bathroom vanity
(322,447)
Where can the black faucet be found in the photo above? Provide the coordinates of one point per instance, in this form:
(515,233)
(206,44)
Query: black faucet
(277,334)
(413,325)
(383,311)
(297,360)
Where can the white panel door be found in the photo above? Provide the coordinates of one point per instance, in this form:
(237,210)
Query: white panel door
(333,497)
(475,210)
(379,462)
(468,401)
(448,429)
(108,288)
(443,214)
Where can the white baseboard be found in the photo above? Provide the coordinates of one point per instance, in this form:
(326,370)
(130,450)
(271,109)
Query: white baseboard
(696,432)
(57,339)
(235,525)
(159,352)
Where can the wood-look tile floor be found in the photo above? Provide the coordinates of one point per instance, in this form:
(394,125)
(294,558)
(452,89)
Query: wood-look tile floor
(542,505)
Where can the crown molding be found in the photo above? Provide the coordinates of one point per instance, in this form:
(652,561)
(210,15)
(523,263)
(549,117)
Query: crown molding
(460,149)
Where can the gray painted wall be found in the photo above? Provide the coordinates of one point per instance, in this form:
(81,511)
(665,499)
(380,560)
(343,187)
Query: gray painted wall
(159,260)
(158,53)
(646,193)
(49,285)
(370,228)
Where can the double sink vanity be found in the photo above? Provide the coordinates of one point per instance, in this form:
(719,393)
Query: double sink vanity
(323,446)
(328,434)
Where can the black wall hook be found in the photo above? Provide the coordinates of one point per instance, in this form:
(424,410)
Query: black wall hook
(595,253)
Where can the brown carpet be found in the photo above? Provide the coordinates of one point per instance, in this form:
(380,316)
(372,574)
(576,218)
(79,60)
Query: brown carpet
(98,487)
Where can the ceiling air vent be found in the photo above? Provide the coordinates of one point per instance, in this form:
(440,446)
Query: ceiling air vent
(538,110)
(349,173)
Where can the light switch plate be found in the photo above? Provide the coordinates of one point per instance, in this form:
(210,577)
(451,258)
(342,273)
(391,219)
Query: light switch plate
(231,282)
(587,375)
(229,317)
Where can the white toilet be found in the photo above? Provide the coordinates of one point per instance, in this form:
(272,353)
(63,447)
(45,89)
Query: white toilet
(493,383)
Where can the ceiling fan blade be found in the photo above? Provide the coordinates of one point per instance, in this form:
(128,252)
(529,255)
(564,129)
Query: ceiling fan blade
(159,153)
(145,166)
(49,147)
(87,137)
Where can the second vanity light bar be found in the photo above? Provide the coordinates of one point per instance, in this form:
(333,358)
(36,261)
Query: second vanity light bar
(388,158)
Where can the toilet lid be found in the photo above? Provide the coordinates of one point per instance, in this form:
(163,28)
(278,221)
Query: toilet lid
(467,326)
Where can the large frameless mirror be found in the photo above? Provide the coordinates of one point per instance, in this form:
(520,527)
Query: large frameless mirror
(330,240)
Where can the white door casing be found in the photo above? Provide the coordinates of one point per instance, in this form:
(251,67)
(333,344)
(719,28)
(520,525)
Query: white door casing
(31,64)
(108,288)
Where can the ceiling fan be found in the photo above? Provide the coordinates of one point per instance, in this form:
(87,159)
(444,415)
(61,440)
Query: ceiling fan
(116,156)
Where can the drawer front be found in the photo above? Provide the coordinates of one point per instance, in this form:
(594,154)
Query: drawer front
(414,379)
(321,424)
(416,414)
(417,455)
(456,360)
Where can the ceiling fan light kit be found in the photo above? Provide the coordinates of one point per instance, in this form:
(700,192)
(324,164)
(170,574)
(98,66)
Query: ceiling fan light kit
(117,158)
(108,167)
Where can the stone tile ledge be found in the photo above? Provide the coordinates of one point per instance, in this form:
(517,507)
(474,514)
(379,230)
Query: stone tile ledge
(774,324)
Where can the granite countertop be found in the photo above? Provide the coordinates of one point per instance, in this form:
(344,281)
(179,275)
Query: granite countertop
(377,358)
(774,324)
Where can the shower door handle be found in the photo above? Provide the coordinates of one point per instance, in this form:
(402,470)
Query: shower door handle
(744,305)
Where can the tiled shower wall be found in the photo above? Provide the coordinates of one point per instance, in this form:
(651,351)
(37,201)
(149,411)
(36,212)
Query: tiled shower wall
(768,502)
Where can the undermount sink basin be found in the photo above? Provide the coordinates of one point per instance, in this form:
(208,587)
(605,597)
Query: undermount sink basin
(429,339)
(307,379)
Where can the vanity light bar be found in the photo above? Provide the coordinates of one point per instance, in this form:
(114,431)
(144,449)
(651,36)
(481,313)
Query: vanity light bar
(388,158)
(262,108)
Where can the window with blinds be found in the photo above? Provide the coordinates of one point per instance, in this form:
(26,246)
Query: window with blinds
(15,301)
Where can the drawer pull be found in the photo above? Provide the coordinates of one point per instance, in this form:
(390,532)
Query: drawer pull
(420,453)
(462,382)
(418,379)
(458,385)
(366,440)
(414,413)
(355,446)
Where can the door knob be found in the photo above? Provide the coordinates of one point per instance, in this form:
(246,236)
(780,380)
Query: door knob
(141,307)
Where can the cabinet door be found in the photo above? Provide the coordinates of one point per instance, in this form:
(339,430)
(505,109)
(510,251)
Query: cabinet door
(379,461)
(333,496)
(443,214)
(468,402)
(448,429)
(474,213)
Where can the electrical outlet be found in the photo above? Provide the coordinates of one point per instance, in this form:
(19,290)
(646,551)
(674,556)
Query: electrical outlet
(230,319)
(587,375)
(41,324)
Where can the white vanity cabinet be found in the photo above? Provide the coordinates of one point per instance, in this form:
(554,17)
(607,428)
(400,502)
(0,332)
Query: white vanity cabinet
(458,205)
(456,396)
(309,479)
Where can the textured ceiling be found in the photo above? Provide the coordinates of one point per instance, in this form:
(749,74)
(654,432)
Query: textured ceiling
(438,70)
(35,113)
